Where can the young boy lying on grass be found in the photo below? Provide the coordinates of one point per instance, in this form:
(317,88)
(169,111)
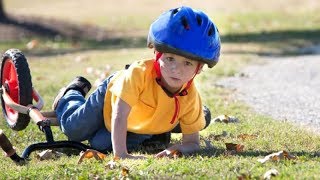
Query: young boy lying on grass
(152,96)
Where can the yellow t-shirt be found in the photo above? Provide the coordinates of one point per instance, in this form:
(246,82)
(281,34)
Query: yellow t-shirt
(151,108)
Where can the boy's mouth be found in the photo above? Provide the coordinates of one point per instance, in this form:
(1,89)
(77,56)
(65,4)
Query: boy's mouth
(175,79)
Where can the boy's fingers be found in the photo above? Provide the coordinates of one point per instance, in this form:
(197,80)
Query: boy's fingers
(159,155)
(162,154)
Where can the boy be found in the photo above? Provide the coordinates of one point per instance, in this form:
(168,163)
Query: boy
(150,97)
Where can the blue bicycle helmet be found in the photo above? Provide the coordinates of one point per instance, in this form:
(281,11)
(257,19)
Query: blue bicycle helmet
(186,32)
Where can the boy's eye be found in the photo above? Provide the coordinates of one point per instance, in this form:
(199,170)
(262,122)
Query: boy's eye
(188,63)
(170,59)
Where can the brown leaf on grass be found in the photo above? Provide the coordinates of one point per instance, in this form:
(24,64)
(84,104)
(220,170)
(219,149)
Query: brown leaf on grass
(244,176)
(226,119)
(234,147)
(270,173)
(89,153)
(32,44)
(278,156)
(124,172)
(247,136)
(175,154)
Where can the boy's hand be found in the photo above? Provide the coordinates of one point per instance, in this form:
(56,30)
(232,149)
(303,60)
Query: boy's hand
(169,153)
(190,143)
(164,153)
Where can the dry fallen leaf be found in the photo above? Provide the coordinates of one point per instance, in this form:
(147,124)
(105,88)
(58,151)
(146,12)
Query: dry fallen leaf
(124,171)
(244,176)
(270,173)
(234,147)
(247,136)
(89,153)
(277,156)
(32,44)
(226,119)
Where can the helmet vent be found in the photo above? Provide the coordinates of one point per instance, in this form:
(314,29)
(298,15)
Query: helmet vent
(184,22)
(199,20)
(210,32)
(175,11)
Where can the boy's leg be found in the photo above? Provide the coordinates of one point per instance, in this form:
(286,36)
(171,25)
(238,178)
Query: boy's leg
(134,140)
(158,140)
(101,141)
(80,119)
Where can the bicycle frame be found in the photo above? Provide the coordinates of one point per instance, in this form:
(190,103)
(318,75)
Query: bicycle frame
(44,120)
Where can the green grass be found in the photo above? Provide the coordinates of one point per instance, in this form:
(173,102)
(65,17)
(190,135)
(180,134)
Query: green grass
(50,73)
(248,30)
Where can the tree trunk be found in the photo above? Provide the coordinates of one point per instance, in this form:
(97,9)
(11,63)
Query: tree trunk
(2,13)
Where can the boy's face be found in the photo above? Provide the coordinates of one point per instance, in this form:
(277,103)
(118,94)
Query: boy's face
(176,70)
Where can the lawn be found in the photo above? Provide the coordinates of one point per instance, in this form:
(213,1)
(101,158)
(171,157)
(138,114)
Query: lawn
(248,29)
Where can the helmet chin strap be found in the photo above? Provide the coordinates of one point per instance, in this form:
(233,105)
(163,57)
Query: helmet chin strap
(184,92)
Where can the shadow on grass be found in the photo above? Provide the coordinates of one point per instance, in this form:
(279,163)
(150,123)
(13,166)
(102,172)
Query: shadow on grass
(34,27)
(82,37)
(78,37)
(214,152)
(86,45)
(274,36)
(288,42)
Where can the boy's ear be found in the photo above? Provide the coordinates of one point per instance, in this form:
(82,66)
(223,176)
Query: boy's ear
(200,68)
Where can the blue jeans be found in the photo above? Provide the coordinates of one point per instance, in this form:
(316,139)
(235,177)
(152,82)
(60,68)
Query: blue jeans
(82,119)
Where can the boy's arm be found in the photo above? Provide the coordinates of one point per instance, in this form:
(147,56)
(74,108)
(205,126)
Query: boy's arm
(190,143)
(119,118)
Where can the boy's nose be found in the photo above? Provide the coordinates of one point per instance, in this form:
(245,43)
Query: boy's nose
(176,68)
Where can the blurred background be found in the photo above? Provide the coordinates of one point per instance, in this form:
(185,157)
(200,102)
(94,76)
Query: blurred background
(247,26)
(93,38)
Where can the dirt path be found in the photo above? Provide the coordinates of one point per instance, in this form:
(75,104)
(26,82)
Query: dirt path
(283,88)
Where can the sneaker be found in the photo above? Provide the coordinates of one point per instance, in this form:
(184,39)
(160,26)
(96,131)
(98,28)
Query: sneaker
(80,84)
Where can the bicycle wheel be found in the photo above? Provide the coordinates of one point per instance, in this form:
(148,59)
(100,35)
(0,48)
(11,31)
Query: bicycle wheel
(16,78)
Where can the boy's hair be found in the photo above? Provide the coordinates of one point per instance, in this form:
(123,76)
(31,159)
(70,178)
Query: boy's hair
(186,32)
